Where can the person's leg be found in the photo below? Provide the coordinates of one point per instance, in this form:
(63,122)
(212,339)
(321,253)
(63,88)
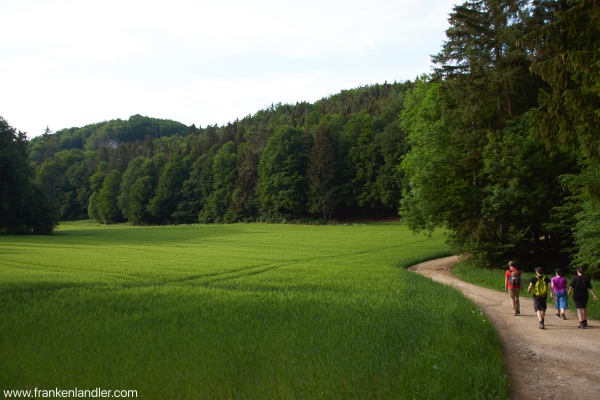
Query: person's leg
(540,312)
(562,304)
(580,315)
(514,298)
(543,307)
(511,293)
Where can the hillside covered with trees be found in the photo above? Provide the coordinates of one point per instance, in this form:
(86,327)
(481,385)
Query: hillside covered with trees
(500,145)
(338,157)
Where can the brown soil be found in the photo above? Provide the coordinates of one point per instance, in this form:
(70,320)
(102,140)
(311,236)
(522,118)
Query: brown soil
(559,362)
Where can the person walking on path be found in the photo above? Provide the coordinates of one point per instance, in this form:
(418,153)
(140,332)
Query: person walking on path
(513,284)
(540,293)
(559,287)
(580,284)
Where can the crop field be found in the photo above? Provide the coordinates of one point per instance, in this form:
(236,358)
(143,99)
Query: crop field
(248,311)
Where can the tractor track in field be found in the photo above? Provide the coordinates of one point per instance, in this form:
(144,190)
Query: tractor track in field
(559,362)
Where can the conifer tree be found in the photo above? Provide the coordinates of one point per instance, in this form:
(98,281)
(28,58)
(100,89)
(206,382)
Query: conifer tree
(322,170)
(568,116)
(568,59)
(24,206)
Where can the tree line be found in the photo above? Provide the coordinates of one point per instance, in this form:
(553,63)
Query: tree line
(24,207)
(499,145)
(336,158)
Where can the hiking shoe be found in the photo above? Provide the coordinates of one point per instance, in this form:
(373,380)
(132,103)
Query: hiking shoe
(541,325)
(564,316)
(585,323)
(558,315)
(518,312)
(581,325)
(515,314)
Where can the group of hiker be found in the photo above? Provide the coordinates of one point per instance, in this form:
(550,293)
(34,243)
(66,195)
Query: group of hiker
(556,287)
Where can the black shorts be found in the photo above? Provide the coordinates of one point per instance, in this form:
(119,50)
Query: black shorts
(539,304)
(580,302)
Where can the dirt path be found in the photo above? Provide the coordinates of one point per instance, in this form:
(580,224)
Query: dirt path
(559,362)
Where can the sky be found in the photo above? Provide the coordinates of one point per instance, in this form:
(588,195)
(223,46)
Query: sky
(70,63)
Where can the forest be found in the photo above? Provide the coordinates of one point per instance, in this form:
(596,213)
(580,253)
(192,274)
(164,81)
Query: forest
(499,144)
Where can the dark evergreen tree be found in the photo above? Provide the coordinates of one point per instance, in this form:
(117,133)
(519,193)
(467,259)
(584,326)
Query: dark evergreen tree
(245,199)
(567,119)
(24,207)
(568,60)
(191,195)
(39,217)
(206,178)
(322,170)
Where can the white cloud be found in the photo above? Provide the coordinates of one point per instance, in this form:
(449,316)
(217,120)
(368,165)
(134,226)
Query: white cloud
(70,63)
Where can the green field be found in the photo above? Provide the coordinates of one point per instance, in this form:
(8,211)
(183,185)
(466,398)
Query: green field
(494,279)
(240,311)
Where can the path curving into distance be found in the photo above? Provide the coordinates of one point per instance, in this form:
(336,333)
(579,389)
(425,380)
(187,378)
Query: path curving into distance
(559,362)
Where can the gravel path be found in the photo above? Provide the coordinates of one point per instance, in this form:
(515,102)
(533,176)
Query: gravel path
(559,362)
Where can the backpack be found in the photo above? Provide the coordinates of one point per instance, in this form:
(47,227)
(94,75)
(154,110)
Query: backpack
(541,287)
(515,279)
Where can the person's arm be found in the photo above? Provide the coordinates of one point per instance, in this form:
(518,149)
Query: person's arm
(589,285)
(505,283)
(529,288)
(570,289)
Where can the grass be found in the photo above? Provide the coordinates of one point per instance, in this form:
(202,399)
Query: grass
(494,279)
(240,311)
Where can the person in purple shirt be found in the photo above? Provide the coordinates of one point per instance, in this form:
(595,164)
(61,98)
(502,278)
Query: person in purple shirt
(559,289)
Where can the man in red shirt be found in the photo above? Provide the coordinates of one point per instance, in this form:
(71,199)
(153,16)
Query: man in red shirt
(513,282)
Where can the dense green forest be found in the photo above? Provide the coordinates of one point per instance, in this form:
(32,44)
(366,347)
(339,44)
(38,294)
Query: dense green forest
(503,137)
(500,145)
(336,158)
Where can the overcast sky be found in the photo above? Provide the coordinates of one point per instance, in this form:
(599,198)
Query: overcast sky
(72,63)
